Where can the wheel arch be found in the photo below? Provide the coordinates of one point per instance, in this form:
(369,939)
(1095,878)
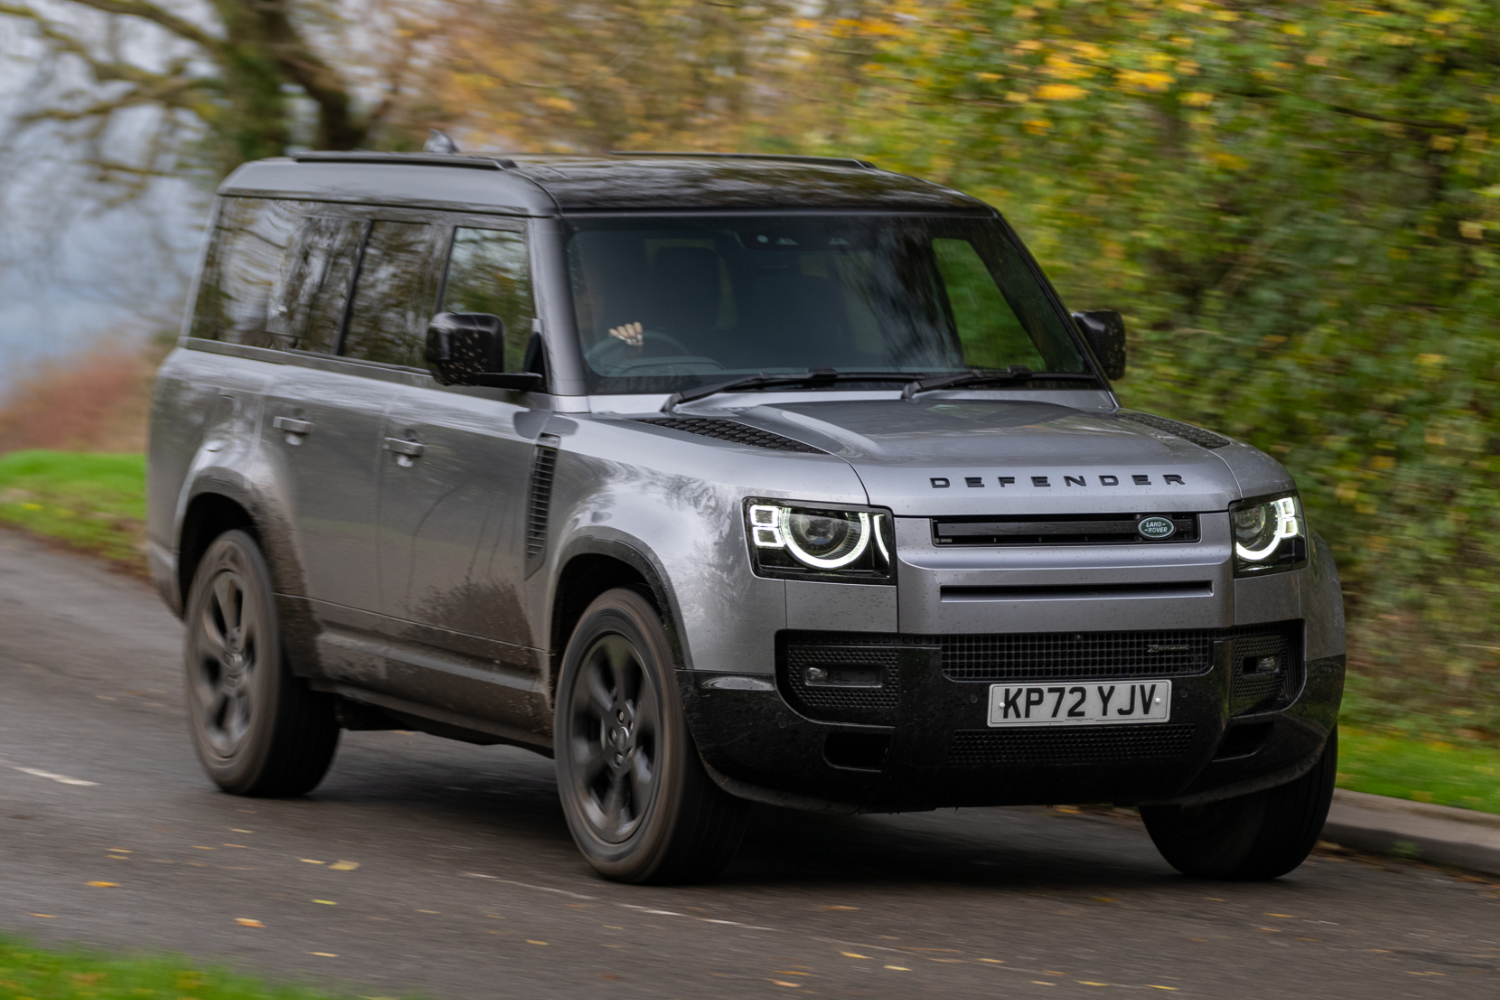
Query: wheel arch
(589,567)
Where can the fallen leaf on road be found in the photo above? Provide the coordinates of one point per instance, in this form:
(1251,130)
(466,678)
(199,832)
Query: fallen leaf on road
(1085,982)
(851,954)
(200,847)
(310,861)
(994,961)
(247,922)
(105,885)
(242,846)
(344,866)
(235,829)
(898,968)
(326,902)
(529,941)
(1155,987)
(119,850)
(45,916)
(779,982)
(838,907)
(323,954)
(427,911)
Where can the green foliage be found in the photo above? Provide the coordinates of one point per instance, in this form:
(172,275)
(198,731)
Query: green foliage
(28,973)
(1297,207)
(94,502)
(1423,770)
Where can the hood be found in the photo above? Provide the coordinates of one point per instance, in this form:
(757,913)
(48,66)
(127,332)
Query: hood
(953,457)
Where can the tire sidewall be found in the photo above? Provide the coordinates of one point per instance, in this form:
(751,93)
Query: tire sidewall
(240,770)
(627,614)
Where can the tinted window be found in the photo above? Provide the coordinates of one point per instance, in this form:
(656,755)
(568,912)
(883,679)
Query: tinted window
(250,240)
(667,303)
(394,294)
(307,307)
(488,272)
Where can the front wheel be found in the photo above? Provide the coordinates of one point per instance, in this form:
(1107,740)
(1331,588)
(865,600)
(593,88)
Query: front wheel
(637,799)
(1259,836)
(257,728)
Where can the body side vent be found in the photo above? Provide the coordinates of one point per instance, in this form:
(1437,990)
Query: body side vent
(1197,435)
(539,501)
(733,430)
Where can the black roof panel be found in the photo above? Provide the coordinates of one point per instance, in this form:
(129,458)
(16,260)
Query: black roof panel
(543,185)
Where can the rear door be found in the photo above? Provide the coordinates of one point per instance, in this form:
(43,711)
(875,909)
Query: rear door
(321,425)
(454,484)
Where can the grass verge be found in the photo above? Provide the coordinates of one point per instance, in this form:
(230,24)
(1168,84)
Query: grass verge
(34,974)
(92,502)
(1421,770)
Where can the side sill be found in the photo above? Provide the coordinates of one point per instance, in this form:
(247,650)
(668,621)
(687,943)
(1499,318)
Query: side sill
(435,721)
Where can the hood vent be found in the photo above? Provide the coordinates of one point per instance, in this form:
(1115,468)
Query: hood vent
(733,430)
(1197,435)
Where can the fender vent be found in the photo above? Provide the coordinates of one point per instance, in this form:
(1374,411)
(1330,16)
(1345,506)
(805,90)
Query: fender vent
(733,430)
(543,464)
(1197,435)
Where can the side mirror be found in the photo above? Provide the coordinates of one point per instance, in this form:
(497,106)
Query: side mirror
(1104,329)
(469,349)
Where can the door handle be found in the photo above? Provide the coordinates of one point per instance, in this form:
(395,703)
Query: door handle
(295,429)
(406,451)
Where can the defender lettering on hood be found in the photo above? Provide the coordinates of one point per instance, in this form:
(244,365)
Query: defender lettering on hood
(1137,479)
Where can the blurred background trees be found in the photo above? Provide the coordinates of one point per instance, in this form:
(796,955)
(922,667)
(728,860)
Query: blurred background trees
(1296,203)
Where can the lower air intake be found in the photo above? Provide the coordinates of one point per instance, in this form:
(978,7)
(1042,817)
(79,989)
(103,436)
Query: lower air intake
(1068,745)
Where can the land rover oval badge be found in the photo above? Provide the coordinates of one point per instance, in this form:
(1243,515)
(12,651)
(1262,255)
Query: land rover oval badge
(1156,528)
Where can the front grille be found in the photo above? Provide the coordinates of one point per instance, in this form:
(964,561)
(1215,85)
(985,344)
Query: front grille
(1007,656)
(733,430)
(1068,745)
(1067,529)
(846,693)
(1188,432)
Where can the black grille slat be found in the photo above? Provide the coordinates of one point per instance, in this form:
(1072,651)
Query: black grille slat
(1198,435)
(1068,655)
(1069,745)
(732,430)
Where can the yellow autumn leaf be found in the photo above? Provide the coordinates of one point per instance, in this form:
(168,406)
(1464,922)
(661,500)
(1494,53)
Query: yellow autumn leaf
(1135,79)
(1471,230)
(1230,161)
(1036,126)
(1061,92)
(1197,99)
(247,922)
(987,77)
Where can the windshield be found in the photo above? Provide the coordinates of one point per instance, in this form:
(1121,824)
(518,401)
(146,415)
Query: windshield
(665,304)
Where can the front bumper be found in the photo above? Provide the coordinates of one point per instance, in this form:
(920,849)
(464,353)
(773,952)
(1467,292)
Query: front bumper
(921,740)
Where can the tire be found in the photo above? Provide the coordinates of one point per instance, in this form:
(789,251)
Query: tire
(638,801)
(1254,837)
(257,729)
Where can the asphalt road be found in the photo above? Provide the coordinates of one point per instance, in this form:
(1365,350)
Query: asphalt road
(467,885)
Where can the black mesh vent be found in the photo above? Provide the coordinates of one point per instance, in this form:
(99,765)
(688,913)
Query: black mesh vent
(1256,686)
(543,465)
(850,684)
(1197,435)
(733,430)
(1069,745)
(1065,655)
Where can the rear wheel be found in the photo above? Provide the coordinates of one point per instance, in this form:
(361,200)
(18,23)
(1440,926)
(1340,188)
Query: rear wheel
(257,729)
(1259,836)
(638,801)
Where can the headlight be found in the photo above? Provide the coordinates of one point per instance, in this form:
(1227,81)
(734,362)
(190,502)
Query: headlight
(1269,535)
(851,545)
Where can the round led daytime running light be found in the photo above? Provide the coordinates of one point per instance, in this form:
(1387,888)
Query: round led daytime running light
(1285,513)
(818,562)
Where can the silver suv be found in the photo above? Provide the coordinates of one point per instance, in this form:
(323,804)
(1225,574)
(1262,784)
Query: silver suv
(721,480)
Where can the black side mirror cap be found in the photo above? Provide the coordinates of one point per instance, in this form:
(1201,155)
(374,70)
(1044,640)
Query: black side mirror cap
(522,381)
(1104,329)
(463,346)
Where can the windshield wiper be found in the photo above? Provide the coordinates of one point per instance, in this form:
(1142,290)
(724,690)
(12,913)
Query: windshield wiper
(1015,373)
(813,376)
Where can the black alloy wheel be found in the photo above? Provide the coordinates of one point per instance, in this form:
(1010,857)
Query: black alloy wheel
(257,729)
(638,801)
(1259,836)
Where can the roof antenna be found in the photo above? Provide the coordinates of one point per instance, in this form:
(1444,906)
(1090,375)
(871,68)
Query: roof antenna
(438,142)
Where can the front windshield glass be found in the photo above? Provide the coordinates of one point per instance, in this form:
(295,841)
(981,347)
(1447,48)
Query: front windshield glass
(665,304)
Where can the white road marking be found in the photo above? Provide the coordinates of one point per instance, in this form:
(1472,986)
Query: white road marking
(61,779)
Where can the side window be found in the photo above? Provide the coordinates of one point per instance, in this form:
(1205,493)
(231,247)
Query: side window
(250,241)
(488,272)
(394,294)
(991,333)
(307,306)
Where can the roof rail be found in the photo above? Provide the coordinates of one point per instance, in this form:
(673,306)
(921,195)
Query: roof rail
(471,161)
(828,161)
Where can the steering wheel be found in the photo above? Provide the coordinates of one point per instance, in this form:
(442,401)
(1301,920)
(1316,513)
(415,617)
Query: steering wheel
(611,352)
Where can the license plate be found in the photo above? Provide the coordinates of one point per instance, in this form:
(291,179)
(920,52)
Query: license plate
(1091,704)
